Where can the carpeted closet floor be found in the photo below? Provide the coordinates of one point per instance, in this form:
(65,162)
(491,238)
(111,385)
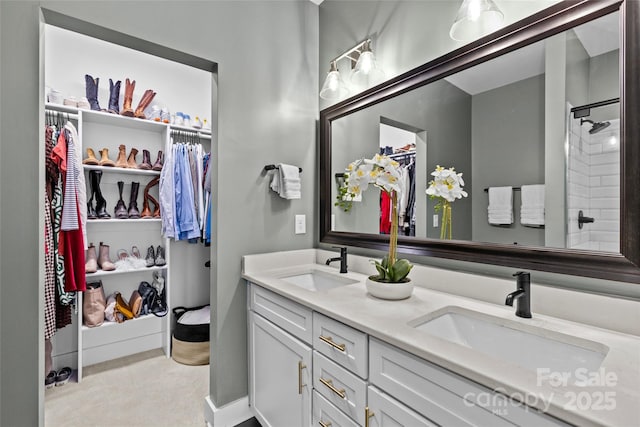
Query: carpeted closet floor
(147,389)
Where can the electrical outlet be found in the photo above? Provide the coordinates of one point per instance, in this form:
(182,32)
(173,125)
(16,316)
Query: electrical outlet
(301,224)
(435,220)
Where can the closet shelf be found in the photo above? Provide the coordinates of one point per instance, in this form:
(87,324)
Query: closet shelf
(121,170)
(101,273)
(102,117)
(127,323)
(122,221)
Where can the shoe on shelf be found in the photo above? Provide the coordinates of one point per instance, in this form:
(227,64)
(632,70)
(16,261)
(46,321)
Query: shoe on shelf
(92,91)
(157,166)
(70,101)
(129,87)
(120,210)
(131,160)
(121,161)
(114,97)
(160,258)
(91,266)
(133,212)
(158,282)
(104,262)
(151,257)
(50,380)
(91,158)
(146,160)
(63,376)
(104,159)
(135,302)
(123,307)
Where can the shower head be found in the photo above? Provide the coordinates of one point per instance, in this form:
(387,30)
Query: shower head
(595,126)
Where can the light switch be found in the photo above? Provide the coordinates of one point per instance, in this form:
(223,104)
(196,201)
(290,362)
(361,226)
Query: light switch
(435,220)
(301,224)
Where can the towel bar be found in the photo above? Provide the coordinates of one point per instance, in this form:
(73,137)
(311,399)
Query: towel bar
(272,167)
(486,190)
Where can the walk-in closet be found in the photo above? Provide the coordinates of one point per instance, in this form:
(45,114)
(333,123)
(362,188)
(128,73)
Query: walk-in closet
(130,141)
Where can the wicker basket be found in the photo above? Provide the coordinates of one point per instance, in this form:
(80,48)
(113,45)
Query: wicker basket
(190,341)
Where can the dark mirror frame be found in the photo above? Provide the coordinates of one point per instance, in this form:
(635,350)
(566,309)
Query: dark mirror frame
(555,19)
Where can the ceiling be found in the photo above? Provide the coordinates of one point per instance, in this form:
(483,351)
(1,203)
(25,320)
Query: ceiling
(597,37)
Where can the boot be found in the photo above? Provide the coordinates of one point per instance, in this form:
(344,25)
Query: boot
(104,159)
(144,103)
(101,203)
(121,162)
(104,262)
(92,92)
(131,161)
(146,212)
(156,209)
(91,265)
(120,210)
(91,212)
(114,97)
(157,166)
(91,158)
(146,160)
(133,201)
(128,98)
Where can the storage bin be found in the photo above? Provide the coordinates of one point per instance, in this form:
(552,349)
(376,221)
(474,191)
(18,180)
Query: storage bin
(190,340)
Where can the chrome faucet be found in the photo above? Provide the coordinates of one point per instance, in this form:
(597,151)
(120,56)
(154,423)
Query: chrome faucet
(342,258)
(522,294)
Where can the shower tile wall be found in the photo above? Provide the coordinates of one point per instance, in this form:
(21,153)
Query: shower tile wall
(594,187)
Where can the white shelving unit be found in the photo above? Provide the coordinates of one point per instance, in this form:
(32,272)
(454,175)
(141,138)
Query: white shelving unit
(98,130)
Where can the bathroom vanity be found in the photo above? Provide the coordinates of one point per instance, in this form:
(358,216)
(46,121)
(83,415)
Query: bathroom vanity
(324,352)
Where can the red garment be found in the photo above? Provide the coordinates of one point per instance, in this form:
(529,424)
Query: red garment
(385,213)
(72,243)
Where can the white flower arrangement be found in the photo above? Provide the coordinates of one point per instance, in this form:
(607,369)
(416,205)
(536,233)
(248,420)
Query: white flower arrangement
(382,172)
(447,187)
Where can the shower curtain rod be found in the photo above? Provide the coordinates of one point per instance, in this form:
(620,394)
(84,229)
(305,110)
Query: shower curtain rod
(585,110)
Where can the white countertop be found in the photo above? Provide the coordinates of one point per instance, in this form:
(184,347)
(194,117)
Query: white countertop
(390,322)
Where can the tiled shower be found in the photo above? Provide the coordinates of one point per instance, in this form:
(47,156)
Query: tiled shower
(593,186)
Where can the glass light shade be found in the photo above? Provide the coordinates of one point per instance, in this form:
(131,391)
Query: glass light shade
(475,19)
(333,87)
(366,72)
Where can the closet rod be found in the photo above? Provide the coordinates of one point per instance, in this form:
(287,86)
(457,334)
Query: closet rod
(66,116)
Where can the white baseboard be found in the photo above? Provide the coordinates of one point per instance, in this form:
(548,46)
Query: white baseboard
(228,415)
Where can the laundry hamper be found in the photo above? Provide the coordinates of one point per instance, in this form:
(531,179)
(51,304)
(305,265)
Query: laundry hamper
(190,340)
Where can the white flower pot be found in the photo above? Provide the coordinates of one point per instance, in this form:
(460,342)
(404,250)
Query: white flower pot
(390,291)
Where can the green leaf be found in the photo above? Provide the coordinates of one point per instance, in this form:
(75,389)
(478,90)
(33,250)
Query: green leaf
(400,270)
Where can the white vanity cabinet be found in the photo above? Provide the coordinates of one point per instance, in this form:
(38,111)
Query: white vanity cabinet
(280,364)
(309,369)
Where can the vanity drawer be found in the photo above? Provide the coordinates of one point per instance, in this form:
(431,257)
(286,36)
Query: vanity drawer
(385,411)
(443,396)
(341,343)
(325,414)
(344,390)
(290,316)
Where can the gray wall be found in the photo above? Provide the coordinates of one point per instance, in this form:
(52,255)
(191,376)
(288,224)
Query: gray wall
(444,112)
(604,83)
(267,112)
(507,150)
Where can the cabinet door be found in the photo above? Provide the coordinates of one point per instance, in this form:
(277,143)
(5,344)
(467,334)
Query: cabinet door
(384,411)
(279,375)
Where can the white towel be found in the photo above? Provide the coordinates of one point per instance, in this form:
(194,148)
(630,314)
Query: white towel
(286,181)
(532,208)
(500,210)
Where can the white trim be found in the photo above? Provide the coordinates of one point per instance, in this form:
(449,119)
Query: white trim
(228,415)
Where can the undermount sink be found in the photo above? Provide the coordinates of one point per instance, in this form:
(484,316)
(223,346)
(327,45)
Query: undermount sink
(526,346)
(318,281)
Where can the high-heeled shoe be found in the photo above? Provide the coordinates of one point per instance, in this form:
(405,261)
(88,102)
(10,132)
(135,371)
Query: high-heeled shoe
(123,307)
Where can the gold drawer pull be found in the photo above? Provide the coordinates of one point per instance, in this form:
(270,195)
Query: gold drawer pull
(327,424)
(329,341)
(367,414)
(301,366)
(329,383)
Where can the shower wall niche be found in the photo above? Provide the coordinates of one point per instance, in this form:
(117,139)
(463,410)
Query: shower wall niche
(593,185)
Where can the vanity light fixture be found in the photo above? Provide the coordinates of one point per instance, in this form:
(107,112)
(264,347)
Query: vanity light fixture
(333,87)
(364,72)
(476,18)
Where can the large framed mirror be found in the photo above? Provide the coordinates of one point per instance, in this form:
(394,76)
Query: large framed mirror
(543,112)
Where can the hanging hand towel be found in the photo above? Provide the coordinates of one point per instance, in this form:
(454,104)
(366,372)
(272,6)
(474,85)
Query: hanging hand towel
(500,210)
(286,181)
(532,208)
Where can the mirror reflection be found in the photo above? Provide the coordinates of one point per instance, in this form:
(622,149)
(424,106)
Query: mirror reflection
(534,132)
